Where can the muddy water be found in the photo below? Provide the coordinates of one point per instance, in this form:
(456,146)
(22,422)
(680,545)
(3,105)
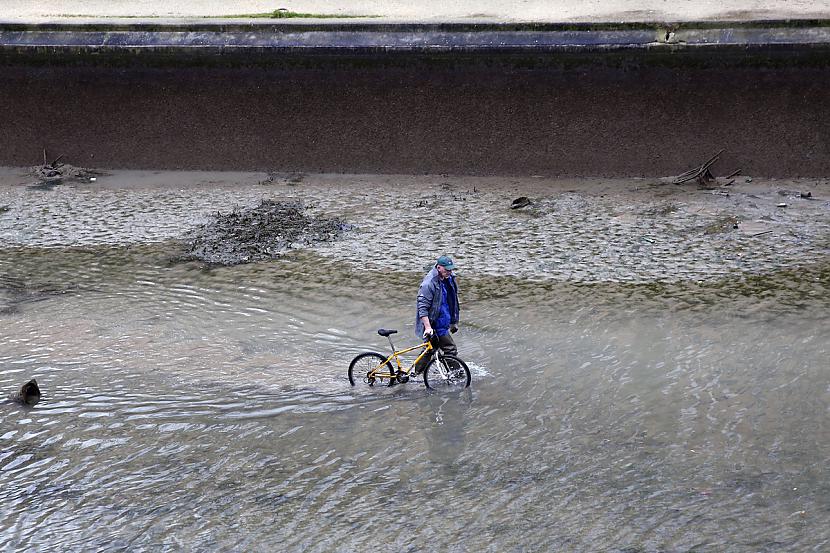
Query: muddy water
(645,376)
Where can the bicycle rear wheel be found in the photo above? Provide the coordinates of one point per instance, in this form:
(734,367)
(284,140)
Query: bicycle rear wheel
(451,373)
(363,364)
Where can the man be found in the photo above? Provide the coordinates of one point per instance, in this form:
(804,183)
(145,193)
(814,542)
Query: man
(437,308)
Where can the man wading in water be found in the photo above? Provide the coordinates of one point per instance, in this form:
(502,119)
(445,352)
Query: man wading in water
(438,309)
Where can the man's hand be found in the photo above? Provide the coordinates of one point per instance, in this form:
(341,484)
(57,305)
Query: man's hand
(453,329)
(427,326)
(427,334)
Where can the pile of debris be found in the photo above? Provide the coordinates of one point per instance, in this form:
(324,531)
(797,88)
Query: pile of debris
(703,174)
(260,233)
(56,172)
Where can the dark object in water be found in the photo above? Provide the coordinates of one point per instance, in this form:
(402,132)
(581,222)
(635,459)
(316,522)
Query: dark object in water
(29,394)
(520,202)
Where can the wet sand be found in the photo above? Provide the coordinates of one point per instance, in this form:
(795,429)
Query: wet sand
(584,230)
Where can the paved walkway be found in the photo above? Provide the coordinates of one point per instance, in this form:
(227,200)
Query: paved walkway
(38,11)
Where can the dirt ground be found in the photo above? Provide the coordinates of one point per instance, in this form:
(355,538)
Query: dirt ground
(586,230)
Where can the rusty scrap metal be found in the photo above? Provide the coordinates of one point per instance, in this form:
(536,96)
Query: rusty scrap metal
(702,173)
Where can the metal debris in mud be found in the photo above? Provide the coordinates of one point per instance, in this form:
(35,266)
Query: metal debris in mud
(55,172)
(261,233)
(703,174)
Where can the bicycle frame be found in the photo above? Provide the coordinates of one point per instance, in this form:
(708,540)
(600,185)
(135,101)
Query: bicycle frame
(440,370)
(396,355)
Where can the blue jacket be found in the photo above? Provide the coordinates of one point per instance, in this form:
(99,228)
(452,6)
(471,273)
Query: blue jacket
(429,301)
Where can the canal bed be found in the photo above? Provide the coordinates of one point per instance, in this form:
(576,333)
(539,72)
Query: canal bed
(646,376)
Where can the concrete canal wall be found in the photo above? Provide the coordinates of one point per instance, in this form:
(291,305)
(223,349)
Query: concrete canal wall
(500,99)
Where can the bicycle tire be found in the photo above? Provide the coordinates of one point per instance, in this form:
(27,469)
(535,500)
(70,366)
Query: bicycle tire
(365,362)
(457,374)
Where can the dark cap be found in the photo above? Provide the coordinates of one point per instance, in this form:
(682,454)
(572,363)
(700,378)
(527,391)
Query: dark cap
(446,263)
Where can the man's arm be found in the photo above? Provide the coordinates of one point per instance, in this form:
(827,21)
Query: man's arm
(424,302)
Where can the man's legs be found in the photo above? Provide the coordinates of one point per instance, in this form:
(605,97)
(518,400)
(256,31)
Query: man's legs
(447,346)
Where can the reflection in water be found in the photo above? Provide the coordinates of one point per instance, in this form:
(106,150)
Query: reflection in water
(446,431)
(187,407)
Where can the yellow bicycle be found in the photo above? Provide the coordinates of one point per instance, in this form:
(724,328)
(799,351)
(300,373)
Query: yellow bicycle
(443,372)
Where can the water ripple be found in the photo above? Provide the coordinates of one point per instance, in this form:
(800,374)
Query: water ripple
(617,403)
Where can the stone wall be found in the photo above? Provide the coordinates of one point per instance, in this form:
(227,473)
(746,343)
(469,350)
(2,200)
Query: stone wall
(641,113)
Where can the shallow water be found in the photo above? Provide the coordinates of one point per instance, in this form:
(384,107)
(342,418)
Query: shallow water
(199,408)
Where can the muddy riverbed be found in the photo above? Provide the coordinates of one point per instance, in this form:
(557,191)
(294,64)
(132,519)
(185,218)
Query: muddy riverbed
(649,367)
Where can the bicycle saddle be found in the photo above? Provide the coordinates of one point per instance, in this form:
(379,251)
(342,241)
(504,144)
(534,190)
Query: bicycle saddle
(384,332)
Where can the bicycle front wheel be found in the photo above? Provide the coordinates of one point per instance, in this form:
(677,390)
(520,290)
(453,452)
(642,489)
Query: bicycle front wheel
(451,373)
(362,365)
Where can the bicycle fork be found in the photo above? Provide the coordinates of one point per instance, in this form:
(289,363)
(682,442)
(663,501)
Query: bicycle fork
(439,362)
